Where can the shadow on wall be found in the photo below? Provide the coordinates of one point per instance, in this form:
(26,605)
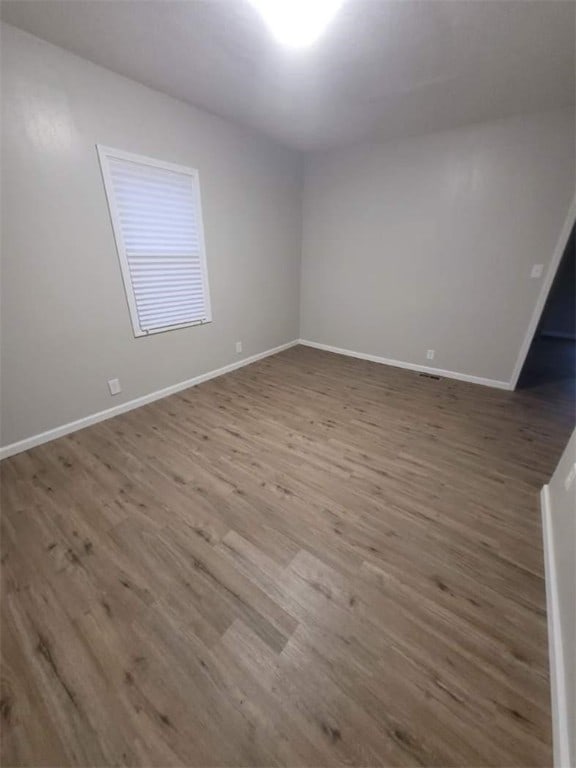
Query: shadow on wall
(552,355)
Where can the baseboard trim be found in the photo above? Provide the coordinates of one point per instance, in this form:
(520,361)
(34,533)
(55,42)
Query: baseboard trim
(109,413)
(410,366)
(555,651)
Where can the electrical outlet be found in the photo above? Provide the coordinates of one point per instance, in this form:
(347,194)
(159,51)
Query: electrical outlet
(537,270)
(114,386)
(570,477)
(430,354)
(238,347)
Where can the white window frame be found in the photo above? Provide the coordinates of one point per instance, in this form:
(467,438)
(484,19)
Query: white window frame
(104,153)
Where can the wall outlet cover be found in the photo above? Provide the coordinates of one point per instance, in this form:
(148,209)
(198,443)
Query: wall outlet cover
(430,354)
(114,386)
(537,270)
(238,347)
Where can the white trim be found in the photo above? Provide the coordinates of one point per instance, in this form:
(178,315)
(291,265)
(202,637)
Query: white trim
(109,413)
(555,651)
(544,291)
(104,153)
(410,366)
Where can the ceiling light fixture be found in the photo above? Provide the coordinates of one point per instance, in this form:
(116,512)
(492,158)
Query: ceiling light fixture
(297,23)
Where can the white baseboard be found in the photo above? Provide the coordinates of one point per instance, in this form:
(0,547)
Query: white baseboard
(410,366)
(555,650)
(94,418)
(73,426)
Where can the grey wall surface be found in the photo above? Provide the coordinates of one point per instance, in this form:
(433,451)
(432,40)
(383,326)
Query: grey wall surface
(428,243)
(389,249)
(563,513)
(65,323)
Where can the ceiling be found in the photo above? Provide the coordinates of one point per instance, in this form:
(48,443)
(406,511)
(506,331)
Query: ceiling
(382,69)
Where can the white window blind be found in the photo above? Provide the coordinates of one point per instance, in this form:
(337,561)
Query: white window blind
(157,220)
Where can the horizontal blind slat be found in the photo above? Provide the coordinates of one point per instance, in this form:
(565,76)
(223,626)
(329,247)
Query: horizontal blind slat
(173,181)
(167,298)
(153,273)
(165,269)
(162,249)
(128,170)
(166,260)
(181,315)
(162,209)
(143,284)
(168,288)
(162,311)
(172,318)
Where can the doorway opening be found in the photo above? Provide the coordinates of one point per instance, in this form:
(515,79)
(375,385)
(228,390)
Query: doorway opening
(551,358)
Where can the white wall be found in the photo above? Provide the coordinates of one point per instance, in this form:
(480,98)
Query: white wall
(562,516)
(427,243)
(65,323)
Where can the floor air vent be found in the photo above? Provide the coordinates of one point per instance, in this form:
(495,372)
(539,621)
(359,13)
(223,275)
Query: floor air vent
(429,376)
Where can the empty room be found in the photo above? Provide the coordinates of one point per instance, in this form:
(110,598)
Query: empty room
(288,383)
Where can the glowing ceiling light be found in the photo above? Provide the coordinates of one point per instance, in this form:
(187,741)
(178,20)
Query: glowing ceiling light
(297,23)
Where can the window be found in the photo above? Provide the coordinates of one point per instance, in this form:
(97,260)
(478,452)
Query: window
(157,221)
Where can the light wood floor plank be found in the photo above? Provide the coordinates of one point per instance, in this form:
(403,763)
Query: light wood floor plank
(313,561)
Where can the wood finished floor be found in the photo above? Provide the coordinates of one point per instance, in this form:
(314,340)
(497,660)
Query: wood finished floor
(313,561)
